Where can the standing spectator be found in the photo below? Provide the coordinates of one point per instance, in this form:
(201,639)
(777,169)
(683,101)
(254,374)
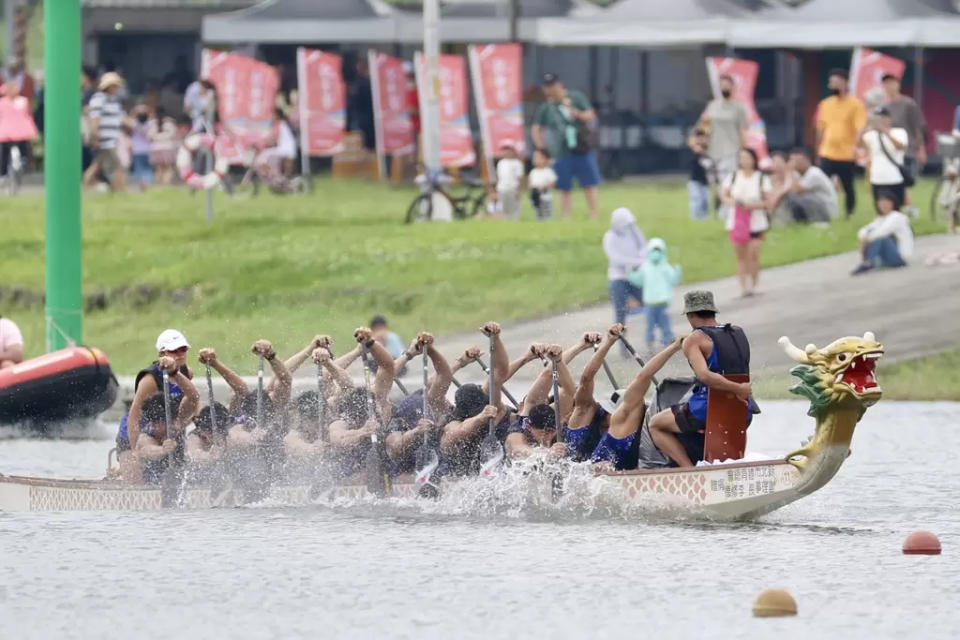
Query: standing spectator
(840,118)
(142,170)
(360,105)
(565,118)
(286,143)
(88,87)
(906,114)
(106,124)
(886,147)
(22,81)
(809,195)
(16,127)
(746,192)
(726,120)
(542,180)
(888,240)
(198,103)
(626,249)
(510,172)
(657,278)
(698,185)
(162,133)
(11,343)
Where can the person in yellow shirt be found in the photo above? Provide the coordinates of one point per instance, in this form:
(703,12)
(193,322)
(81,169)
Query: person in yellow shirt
(840,119)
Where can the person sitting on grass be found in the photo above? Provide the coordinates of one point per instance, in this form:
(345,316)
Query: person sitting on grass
(808,194)
(888,240)
(656,278)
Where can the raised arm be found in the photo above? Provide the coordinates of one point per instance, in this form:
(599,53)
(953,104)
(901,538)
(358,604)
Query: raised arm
(190,402)
(146,388)
(586,342)
(439,383)
(344,438)
(411,352)
(459,430)
(280,393)
(237,385)
(295,361)
(331,370)
(348,358)
(469,356)
(633,398)
(528,356)
(583,398)
(501,361)
(540,389)
(566,386)
(385,372)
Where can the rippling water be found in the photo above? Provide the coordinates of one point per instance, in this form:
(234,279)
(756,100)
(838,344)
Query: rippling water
(461,569)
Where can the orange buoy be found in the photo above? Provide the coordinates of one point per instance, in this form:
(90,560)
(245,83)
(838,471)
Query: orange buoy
(922,543)
(774,603)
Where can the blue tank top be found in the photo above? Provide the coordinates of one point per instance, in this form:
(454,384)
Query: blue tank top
(153,370)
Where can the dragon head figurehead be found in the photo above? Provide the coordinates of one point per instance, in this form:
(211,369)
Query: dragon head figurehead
(840,382)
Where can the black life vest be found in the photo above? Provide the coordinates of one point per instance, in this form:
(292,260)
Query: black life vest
(732,349)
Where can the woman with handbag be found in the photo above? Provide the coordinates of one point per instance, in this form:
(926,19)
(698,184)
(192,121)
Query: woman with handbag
(745,193)
(886,146)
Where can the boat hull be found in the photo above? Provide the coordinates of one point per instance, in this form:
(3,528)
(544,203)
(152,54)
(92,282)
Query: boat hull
(716,492)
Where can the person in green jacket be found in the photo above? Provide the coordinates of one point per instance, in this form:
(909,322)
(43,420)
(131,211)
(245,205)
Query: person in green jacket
(657,278)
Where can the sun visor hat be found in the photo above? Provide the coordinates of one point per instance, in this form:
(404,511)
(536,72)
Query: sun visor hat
(171,340)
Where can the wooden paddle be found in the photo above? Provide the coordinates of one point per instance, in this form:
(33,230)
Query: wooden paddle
(426,460)
(378,482)
(170,489)
(491,451)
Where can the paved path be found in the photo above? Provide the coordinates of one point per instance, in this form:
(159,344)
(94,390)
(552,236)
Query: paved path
(913,311)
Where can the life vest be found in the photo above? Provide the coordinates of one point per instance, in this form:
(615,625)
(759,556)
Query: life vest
(730,354)
(157,374)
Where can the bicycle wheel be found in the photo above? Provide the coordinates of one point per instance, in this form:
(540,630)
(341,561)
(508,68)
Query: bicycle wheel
(246,186)
(421,209)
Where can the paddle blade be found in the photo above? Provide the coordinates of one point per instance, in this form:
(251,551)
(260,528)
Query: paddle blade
(170,487)
(491,455)
(426,462)
(373,468)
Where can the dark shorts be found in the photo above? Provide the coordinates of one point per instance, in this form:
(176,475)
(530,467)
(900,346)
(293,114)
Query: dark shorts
(108,162)
(582,166)
(757,235)
(686,421)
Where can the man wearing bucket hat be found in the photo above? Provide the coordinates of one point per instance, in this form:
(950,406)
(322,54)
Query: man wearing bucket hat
(106,122)
(712,350)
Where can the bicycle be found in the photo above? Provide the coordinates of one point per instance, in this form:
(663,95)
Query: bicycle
(945,199)
(466,205)
(262,169)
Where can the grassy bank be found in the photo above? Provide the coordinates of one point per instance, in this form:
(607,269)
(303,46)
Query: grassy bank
(287,267)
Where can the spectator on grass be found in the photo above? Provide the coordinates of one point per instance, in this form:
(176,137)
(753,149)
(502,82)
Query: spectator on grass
(11,343)
(626,250)
(510,172)
(562,126)
(888,240)
(106,127)
(162,132)
(840,118)
(906,114)
(726,121)
(17,128)
(199,103)
(746,193)
(542,181)
(809,195)
(698,185)
(886,147)
(657,278)
(286,145)
(142,170)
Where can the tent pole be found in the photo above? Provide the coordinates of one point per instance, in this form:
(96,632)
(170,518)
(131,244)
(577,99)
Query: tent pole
(430,117)
(918,76)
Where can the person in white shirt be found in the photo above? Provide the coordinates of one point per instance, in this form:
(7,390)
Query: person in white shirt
(886,146)
(542,181)
(746,192)
(11,343)
(510,172)
(626,249)
(888,240)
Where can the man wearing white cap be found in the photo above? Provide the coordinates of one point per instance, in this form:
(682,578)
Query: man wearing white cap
(172,348)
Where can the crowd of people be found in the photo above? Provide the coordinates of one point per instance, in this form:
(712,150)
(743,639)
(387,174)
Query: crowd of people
(341,425)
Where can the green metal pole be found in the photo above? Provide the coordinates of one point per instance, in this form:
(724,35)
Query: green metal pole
(61,153)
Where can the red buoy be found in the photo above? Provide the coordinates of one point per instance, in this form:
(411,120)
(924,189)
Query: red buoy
(922,543)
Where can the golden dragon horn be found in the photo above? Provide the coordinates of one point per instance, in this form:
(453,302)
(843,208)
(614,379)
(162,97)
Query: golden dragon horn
(869,337)
(792,351)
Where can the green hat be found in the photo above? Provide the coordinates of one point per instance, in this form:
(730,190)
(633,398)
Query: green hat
(695,301)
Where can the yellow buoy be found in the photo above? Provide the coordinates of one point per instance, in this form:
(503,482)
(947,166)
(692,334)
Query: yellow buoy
(774,603)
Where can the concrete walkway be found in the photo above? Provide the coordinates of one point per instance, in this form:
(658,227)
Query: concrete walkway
(913,311)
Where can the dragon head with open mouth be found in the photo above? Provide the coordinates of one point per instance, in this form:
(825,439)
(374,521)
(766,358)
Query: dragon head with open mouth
(840,382)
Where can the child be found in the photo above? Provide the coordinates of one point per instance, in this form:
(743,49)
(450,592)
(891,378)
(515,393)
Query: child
(510,172)
(140,147)
(162,133)
(698,186)
(657,278)
(542,180)
(888,240)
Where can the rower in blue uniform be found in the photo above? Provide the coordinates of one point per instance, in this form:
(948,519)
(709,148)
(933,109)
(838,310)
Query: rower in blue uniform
(713,351)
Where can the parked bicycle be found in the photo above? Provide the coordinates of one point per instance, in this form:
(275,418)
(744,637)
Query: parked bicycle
(945,200)
(264,168)
(467,204)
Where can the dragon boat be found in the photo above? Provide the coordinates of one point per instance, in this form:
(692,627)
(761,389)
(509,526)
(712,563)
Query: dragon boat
(839,380)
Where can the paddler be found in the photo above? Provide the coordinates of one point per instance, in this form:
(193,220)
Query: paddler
(350,432)
(536,427)
(304,439)
(590,419)
(277,393)
(237,384)
(154,442)
(170,344)
(712,350)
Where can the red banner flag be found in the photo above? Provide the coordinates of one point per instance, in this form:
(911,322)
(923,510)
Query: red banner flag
(323,102)
(456,139)
(744,74)
(391,115)
(866,70)
(246,91)
(497,74)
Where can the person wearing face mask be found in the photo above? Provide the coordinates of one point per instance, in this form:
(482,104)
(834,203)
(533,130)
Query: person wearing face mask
(840,119)
(726,120)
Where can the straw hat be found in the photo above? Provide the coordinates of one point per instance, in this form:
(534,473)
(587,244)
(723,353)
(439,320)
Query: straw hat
(110,79)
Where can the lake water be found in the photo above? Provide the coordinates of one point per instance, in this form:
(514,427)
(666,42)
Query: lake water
(471,569)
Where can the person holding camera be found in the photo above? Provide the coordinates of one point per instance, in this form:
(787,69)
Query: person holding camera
(886,146)
(562,126)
